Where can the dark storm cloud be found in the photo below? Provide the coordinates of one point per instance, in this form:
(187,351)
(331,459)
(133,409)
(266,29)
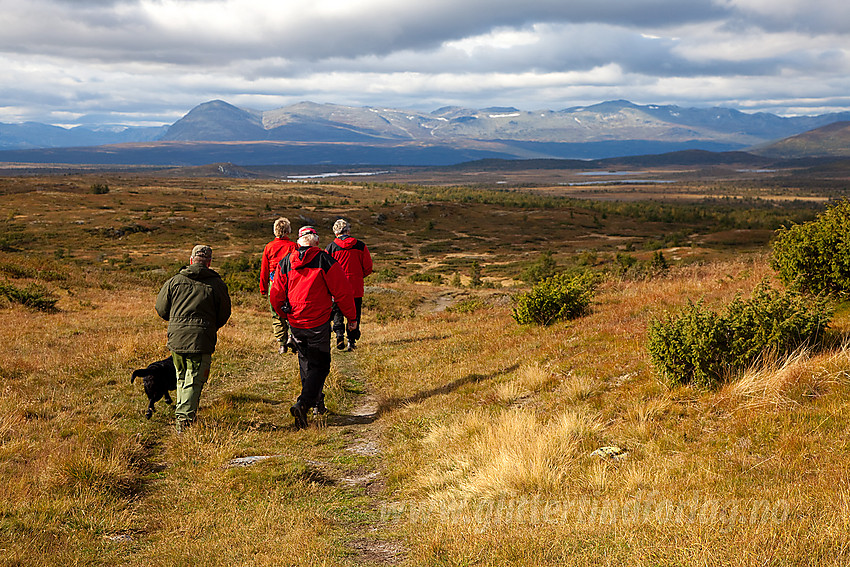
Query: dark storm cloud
(556,48)
(815,17)
(115,31)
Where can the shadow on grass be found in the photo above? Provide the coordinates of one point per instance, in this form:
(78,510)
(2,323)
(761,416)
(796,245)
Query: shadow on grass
(444,389)
(250,399)
(341,420)
(413,340)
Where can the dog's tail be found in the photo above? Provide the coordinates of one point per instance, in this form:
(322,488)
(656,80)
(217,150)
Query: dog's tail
(135,374)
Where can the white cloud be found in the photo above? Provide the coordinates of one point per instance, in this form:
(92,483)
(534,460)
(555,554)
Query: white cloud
(501,38)
(148,60)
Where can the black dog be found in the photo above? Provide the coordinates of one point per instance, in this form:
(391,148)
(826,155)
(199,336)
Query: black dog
(158,379)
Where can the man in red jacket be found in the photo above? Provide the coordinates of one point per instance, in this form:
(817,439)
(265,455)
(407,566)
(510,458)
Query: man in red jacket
(306,285)
(273,253)
(356,262)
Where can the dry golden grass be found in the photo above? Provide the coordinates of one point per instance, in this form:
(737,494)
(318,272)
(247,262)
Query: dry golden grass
(509,455)
(83,469)
(793,380)
(485,428)
(529,379)
(496,469)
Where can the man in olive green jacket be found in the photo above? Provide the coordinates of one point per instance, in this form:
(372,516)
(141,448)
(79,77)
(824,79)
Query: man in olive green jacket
(196,304)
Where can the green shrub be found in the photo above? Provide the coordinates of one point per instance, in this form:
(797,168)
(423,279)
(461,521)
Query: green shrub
(562,296)
(438,247)
(475,274)
(33,296)
(659,262)
(426,277)
(99,188)
(628,267)
(815,256)
(241,274)
(702,347)
(19,271)
(384,275)
(587,258)
(544,267)
(12,236)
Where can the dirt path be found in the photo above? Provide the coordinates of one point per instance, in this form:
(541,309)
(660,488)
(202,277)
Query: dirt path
(366,543)
(357,423)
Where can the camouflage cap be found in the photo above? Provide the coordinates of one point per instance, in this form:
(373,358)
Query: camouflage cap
(202,251)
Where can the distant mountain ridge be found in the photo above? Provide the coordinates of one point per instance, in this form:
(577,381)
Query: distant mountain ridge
(832,140)
(613,121)
(313,133)
(31,135)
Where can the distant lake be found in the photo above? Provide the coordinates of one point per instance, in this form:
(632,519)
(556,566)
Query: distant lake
(620,182)
(612,173)
(336,174)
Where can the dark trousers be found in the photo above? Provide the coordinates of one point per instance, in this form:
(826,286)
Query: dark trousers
(314,361)
(339,320)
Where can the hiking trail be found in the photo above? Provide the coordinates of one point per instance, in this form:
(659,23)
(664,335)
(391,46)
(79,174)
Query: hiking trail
(366,542)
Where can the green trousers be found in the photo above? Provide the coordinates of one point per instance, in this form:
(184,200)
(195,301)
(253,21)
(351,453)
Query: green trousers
(193,370)
(280,326)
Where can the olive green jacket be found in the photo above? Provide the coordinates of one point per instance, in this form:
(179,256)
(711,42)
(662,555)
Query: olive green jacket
(195,302)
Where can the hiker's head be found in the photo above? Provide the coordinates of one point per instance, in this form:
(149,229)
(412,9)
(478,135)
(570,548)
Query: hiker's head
(307,236)
(201,254)
(342,226)
(282,227)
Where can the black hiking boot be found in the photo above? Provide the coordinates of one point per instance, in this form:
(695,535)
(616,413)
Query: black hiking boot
(340,342)
(320,408)
(300,415)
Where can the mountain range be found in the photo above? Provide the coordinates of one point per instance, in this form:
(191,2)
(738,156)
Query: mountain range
(31,135)
(311,133)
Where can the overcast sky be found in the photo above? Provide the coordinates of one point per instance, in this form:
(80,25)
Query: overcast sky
(149,62)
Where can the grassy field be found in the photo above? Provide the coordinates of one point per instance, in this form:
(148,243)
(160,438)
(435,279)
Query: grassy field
(456,436)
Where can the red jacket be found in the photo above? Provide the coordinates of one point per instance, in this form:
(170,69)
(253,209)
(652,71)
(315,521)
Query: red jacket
(273,253)
(312,280)
(354,257)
